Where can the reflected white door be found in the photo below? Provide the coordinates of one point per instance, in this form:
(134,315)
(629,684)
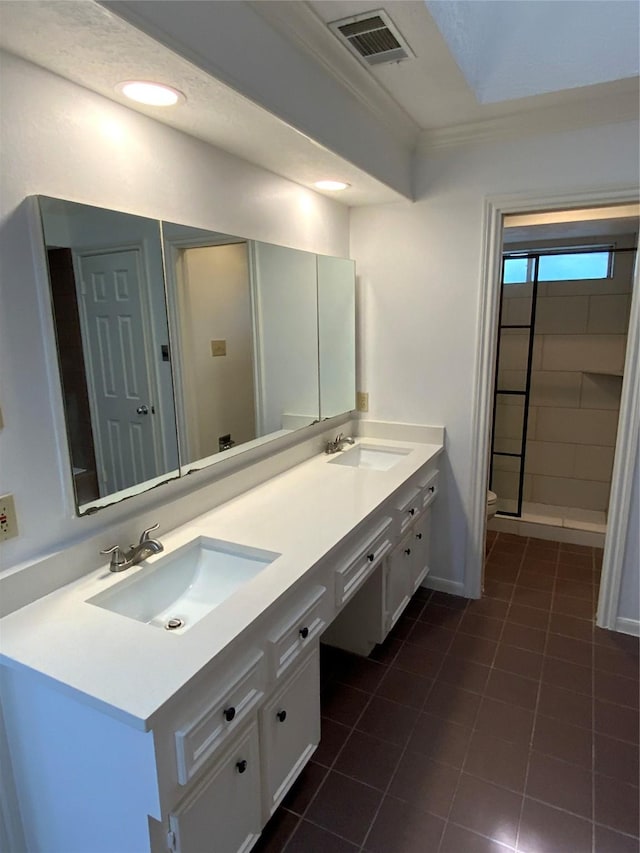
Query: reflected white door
(122,407)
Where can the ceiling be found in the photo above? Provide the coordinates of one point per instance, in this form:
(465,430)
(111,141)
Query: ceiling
(515,50)
(453,82)
(89,45)
(572,224)
(467,70)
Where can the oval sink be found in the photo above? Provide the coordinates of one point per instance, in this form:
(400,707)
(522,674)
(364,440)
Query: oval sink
(370,456)
(177,590)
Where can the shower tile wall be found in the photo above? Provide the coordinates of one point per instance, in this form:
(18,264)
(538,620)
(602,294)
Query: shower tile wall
(579,346)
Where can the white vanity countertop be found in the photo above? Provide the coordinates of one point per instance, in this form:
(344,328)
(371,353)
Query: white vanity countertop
(129,669)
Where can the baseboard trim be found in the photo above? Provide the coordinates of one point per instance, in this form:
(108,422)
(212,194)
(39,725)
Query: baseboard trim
(444,585)
(628,626)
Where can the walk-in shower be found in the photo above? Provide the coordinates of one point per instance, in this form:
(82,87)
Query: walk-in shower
(559,366)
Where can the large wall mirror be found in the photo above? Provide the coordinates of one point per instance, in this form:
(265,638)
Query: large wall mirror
(178,347)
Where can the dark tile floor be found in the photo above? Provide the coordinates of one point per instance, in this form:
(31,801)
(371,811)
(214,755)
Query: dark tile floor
(509,723)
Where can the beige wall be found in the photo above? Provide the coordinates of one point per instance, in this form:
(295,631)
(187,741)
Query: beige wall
(215,305)
(579,347)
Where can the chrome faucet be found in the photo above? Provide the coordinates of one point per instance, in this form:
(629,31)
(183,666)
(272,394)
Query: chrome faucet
(338,443)
(136,553)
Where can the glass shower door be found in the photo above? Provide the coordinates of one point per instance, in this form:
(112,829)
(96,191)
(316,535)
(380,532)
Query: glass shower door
(512,389)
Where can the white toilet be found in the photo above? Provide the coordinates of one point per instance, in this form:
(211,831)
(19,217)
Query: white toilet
(492,504)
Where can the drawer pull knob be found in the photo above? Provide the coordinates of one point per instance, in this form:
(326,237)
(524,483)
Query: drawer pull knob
(411,511)
(418,535)
(241,766)
(407,551)
(229,714)
(304,632)
(432,489)
(371,557)
(282,716)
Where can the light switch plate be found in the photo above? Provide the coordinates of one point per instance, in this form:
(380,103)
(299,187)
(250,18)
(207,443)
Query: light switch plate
(8,520)
(218,348)
(362,401)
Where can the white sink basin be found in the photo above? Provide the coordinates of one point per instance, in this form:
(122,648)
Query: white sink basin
(370,456)
(177,590)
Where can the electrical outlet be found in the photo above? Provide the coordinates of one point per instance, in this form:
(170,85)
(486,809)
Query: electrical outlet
(8,520)
(218,348)
(362,401)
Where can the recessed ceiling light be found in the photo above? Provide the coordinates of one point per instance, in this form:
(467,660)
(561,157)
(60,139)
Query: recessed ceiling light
(152,94)
(334,186)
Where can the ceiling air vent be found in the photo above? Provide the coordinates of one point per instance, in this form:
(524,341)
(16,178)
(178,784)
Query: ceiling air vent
(372,37)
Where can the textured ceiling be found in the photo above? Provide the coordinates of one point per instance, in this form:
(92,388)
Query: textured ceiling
(89,45)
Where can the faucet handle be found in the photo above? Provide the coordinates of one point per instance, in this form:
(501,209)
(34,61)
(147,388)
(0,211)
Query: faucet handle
(117,557)
(112,550)
(145,533)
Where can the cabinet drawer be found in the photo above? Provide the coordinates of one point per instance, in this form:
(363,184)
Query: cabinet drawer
(223,811)
(430,490)
(409,506)
(199,737)
(356,570)
(297,631)
(289,730)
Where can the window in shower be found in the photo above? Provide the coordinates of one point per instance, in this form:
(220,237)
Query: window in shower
(586,263)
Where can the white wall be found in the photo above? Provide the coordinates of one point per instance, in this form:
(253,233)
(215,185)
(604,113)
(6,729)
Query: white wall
(419,268)
(61,140)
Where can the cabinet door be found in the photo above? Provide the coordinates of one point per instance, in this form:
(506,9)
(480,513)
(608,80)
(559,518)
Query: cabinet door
(290,730)
(399,579)
(421,542)
(222,814)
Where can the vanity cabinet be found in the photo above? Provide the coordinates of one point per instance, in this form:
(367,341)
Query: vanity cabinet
(208,726)
(360,561)
(289,730)
(224,809)
(420,543)
(400,548)
(297,631)
(204,769)
(247,778)
(239,747)
(399,587)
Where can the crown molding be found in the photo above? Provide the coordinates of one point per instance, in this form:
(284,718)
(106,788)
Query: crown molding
(590,112)
(301,25)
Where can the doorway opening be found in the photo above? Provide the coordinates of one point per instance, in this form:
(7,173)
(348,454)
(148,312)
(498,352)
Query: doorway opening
(562,332)
(532,209)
